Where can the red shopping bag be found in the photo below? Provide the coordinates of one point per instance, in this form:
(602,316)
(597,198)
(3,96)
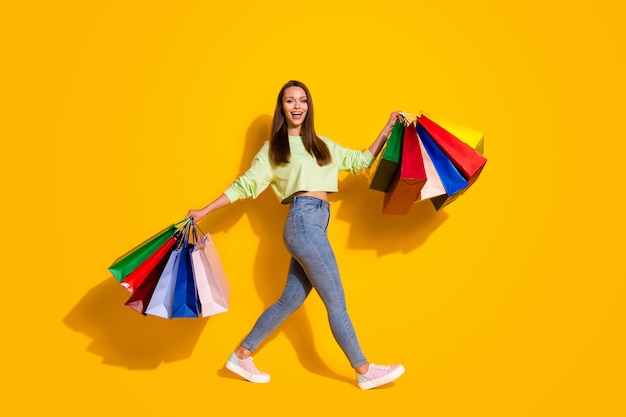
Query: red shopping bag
(472,137)
(135,278)
(409,180)
(141,296)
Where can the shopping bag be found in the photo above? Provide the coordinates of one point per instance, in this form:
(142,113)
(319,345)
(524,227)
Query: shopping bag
(390,160)
(160,303)
(409,179)
(473,138)
(141,296)
(451,178)
(433,186)
(185,301)
(211,281)
(154,261)
(468,161)
(126,263)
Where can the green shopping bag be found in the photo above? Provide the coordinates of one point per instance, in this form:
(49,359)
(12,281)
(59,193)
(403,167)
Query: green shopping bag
(127,263)
(390,160)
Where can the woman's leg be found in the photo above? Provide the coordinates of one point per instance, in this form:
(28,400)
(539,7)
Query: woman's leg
(295,292)
(306,239)
(313,265)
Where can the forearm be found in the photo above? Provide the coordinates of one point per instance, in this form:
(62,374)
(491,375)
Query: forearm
(380,140)
(382,137)
(216,204)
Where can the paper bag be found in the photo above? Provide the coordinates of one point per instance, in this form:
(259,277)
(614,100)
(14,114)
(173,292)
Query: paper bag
(389,162)
(125,264)
(185,301)
(141,296)
(473,138)
(467,160)
(452,180)
(139,274)
(433,186)
(409,179)
(161,301)
(211,281)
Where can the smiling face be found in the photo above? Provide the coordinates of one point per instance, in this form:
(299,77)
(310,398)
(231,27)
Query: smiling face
(295,107)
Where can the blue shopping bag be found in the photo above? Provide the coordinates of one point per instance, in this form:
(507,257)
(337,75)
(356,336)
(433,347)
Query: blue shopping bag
(451,178)
(185,302)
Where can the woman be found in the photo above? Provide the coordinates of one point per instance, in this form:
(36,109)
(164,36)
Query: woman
(302,168)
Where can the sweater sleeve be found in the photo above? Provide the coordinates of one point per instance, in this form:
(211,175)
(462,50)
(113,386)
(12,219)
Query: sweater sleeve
(255,180)
(351,160)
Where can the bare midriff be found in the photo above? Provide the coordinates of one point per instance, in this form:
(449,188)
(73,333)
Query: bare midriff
(322,195)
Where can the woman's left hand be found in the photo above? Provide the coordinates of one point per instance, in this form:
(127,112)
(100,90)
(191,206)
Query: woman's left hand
(395,116)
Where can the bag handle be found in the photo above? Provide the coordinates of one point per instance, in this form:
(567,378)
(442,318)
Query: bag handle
(408,118)
(200,230)
(182,232)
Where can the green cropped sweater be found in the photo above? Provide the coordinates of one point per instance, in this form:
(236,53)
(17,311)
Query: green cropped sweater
(302,173)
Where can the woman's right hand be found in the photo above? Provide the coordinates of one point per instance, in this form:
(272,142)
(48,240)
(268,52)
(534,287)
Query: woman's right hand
(196,215)
(395,117)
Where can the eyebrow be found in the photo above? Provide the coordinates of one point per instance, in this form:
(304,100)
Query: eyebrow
(301,97)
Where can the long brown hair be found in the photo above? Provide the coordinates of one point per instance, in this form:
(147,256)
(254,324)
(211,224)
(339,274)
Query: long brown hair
(279,144)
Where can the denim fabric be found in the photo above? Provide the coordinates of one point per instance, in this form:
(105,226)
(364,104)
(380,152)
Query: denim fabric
(313,265)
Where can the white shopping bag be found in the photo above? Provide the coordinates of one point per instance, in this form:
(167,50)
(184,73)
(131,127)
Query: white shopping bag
(211,281)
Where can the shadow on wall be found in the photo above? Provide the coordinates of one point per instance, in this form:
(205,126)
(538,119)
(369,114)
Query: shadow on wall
(362,208)
(123,337)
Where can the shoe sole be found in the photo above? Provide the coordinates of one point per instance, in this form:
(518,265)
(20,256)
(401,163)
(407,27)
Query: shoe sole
(383,380)
(257,379)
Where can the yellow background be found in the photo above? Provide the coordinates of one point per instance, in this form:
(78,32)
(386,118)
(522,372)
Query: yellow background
(118,117)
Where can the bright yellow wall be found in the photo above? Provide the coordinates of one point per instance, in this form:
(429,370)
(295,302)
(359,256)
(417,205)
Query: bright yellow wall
(120,116)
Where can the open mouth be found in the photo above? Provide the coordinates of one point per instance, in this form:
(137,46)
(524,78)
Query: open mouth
(296,115)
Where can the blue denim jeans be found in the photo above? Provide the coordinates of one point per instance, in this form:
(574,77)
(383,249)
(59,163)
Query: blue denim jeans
(313,265)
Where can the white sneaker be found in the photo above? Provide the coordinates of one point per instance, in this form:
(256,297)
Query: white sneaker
(378,375)
(246,369)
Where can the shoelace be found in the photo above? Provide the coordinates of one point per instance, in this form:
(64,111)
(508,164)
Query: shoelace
(252,366)
(381,367)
